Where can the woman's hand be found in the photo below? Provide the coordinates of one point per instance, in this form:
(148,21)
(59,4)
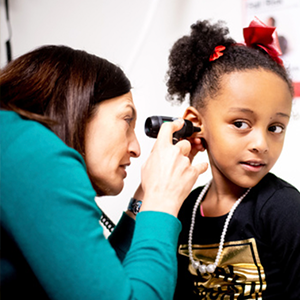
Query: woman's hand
(167,175)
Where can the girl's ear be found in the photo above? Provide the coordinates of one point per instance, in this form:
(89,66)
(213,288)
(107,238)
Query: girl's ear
(193,115)
(198,142)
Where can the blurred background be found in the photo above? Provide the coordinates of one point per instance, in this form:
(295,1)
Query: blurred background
(137,35)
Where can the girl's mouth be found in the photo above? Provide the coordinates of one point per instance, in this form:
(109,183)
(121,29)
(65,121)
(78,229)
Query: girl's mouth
(253,166)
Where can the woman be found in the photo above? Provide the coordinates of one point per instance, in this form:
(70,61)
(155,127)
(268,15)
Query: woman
(67,114)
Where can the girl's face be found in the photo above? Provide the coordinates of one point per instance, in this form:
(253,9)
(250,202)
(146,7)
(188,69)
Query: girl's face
(110,142)
(244,126)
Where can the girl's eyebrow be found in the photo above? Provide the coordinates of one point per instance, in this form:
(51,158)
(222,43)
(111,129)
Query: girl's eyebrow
(283,115)
(240,109)
(247,110)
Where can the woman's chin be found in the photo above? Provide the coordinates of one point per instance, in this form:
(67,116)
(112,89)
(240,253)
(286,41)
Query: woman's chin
(109,190)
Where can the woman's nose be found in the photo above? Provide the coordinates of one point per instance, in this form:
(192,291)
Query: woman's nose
(134,146)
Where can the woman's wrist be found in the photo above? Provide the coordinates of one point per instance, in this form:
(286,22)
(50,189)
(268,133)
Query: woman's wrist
(134,207)
(130,214)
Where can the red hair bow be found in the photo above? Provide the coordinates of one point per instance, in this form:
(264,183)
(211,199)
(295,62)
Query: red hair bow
(261,35)
(217,53)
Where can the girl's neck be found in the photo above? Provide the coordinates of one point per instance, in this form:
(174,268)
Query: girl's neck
(220,198)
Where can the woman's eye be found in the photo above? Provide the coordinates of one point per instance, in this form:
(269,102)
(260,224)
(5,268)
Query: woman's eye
(128,120)
(276,129)
(241,125)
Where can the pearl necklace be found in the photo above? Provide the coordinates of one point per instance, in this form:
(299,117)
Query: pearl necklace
(196,264)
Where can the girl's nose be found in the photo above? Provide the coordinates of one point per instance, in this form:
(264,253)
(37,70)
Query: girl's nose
(259,142)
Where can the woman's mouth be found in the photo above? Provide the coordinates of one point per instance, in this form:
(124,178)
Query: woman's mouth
(123,168)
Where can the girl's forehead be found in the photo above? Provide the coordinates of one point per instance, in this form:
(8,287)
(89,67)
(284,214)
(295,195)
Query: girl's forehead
(256,84)
(254,90)
(250,79)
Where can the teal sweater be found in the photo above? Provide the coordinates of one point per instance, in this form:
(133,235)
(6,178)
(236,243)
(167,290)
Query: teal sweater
(52,245)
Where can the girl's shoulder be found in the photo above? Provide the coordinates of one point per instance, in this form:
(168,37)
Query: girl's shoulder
(192,197)
(188,204)
(272,188)
(275,202)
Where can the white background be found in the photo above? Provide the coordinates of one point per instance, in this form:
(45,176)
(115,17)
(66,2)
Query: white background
(136,35)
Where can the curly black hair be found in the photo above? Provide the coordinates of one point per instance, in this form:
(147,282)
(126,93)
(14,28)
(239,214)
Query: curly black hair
(191,73)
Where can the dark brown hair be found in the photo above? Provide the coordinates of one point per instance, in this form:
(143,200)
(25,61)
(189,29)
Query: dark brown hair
(60,87)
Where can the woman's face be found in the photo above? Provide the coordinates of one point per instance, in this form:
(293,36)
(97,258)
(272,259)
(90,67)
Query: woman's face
(110,142)
(244,126)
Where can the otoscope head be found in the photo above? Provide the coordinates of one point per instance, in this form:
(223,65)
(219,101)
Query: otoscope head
(153,124)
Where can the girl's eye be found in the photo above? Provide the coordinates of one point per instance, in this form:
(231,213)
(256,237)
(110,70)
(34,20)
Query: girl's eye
(276,129)
(241,125)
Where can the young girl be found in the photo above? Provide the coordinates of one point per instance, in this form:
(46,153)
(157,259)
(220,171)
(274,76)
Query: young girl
(241,232)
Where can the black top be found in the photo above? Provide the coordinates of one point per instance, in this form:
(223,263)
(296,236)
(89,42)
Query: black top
(261,254)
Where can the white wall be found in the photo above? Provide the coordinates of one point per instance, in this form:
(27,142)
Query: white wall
(136,35)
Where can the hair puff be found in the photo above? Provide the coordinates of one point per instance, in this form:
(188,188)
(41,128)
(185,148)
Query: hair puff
(189,56)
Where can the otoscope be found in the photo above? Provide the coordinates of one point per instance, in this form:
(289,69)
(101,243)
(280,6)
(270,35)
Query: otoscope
(153,124)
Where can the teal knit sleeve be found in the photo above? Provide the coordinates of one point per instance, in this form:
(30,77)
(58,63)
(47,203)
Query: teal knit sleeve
(48,208)
(152,257)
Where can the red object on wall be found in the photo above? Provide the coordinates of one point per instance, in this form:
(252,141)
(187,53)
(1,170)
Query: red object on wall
(297,89)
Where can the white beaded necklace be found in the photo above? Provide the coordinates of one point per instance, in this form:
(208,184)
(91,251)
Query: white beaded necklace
(196,264)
